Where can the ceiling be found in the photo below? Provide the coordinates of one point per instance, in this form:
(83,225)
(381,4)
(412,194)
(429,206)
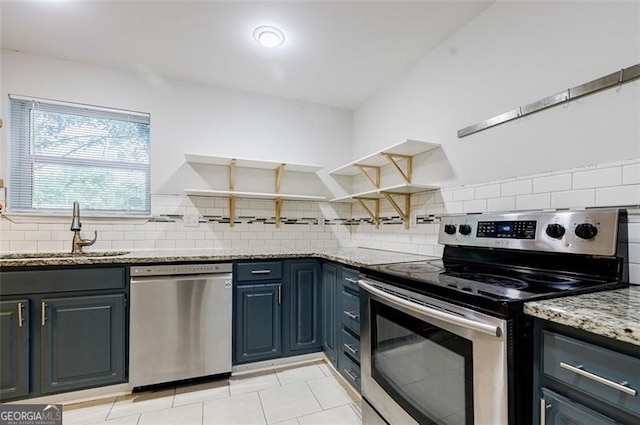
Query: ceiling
(336,53)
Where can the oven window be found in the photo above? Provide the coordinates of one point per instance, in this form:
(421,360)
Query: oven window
(425,369)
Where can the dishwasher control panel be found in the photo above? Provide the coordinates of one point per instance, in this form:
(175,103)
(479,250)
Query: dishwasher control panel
(180,269)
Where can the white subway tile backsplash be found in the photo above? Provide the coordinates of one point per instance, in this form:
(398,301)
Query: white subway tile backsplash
(634,274)
(552,183)
(489,191)
(477,206)
(39,235)
(573,199)
(464,194)
(28,246)
(501,204)
(538,201)
(634,253)
(454,207)
(520,187)
(631,174)
(598,178)
(618,196)
(50,246)
(634,232)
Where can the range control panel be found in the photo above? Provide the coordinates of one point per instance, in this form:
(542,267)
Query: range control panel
(591,232)
(507,229)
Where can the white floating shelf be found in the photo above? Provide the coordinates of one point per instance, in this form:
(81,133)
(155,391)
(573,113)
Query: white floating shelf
(378,193)
(254,195)
(250,163)
(377,159)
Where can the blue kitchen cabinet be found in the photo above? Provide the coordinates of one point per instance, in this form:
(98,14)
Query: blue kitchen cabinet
(258,312)
(73,333)
(582,378)
(82,342)
(330,276)
(14,348)
(303,319)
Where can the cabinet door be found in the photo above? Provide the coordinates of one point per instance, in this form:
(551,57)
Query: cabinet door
(329,325)
(305,316)
(558,410)
(14,349)
(258,322)
(82,342)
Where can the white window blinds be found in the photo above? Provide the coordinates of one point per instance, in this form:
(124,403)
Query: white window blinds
(60,153)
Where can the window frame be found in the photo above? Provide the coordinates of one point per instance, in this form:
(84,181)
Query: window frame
(19,152)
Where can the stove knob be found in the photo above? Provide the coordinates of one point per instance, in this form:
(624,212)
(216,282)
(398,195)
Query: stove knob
(556,231)
(586,231)
(450,229)
(465,229)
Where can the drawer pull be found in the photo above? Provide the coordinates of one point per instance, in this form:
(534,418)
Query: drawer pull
(351,315)
(354,281)
(350,349)
(579,370)
(351,376)
(267,271)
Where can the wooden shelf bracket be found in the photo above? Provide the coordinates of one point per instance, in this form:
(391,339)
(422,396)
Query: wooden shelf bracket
(365,170)
(375,214)
(404,214)
(278,211)
(393,159)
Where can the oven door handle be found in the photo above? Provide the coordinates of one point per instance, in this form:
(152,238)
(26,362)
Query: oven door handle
(475,325)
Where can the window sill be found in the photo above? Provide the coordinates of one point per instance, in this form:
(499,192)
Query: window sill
(85,218)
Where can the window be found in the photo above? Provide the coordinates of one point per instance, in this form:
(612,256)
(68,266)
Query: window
(61,153)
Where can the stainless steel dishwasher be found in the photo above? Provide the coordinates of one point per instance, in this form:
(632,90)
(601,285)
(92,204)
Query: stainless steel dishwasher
(180,322)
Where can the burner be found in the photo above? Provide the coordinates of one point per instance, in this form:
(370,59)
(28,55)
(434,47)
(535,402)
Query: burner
(492,279)
(414,268)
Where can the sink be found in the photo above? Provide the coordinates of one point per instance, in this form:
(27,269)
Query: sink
(30,255)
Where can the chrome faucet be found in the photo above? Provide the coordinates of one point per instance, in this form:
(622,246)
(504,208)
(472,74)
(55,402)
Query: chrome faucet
(78,243)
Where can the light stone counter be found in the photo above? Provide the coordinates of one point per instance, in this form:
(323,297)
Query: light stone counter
(613,314)
(355,257)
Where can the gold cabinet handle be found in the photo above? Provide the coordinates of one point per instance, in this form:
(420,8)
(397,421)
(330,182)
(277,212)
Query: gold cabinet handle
(20,317)
(43,313)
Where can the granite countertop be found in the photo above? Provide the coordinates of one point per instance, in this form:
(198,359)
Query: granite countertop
(356,257)
(613,314)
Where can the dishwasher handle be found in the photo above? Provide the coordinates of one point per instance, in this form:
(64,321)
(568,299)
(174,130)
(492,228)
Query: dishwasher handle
(186,277)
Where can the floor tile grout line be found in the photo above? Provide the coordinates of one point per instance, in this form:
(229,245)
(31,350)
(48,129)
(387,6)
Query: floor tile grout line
(322,409)
(264,414)
(202,421)
(106,418)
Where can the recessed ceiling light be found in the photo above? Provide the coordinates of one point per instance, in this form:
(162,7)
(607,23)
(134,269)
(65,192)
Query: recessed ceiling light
(269,37)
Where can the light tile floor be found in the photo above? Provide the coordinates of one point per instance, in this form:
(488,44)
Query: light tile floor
(304,394)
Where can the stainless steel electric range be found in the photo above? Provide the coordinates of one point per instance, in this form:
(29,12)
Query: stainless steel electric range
(446,341)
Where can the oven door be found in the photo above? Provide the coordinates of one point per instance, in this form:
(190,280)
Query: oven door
(431,362)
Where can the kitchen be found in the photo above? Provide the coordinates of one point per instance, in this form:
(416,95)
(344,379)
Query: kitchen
(491,58)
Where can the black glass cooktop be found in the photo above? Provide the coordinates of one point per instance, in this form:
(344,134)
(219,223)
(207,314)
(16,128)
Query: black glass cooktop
(495,283)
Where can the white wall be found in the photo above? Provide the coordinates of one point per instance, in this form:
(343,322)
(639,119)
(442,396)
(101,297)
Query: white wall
(186,117)
(512,54)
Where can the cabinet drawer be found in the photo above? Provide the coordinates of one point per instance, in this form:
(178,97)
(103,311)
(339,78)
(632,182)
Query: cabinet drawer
(350,312)
(259,271)
(350,345)
(350,370)
(561,410)
(610,376)
(350,279)
(62,280)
